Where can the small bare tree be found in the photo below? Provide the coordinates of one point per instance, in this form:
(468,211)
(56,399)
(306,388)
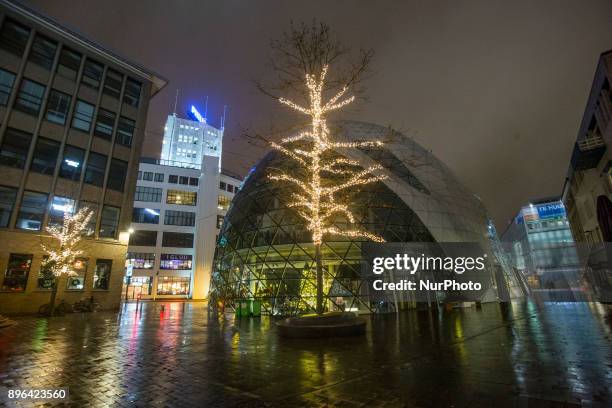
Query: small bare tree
(313,74)
(64,248)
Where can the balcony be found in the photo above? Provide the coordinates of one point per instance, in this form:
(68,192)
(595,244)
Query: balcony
(588,151)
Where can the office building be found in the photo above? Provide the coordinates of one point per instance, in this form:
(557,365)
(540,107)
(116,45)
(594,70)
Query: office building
(72,116)
(179,206)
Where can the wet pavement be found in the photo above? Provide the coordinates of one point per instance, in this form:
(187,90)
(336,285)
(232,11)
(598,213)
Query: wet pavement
(519,355)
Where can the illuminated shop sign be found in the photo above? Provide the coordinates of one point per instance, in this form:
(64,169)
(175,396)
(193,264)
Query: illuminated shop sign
(196,115)
(175,261)
(553,210)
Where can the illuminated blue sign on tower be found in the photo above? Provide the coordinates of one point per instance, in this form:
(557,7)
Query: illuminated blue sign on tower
(195,115)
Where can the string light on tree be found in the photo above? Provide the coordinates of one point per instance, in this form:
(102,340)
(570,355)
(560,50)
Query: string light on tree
(318,199)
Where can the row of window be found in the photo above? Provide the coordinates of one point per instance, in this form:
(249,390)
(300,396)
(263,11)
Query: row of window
(16,145)
(30,100)
(34,205)
(154,195)
(169,239)
(166,285)
(146,260)
(171,217)
(172,178)
(14,38)
(230,188)
(19,265)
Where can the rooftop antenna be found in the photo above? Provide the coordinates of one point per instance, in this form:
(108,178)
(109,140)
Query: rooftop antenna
(206,109)
(223,117)
(176,101)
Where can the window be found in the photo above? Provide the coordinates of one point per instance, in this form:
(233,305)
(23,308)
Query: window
(125,131)
(59,207)
(46,279)
(90,228)
(147,176)
(109,223)
(96,167)
(230,188)
(7,79)
(105,122)
(145,215)
(102,273)
(30,97)
(183,180)
(223,202)
(117,175)
(83,116)
(45,156)
(32,211)
(77,282)
(140,260)
(159,177)
(182,218)
(139,175)
(14,149)
(222,185)
(148,194)
(177,240)
(219,221)
(72,162)
(173,179)
(69,63)
(193,181)
(17,271)
(112,83)
(173,285)
(43,51)
(131,95)
(181,197)
(143,238)
(177,262)
(13,37)
(8,195)
(57,107)
(92,74)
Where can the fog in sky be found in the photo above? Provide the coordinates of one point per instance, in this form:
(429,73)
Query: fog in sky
(495,89)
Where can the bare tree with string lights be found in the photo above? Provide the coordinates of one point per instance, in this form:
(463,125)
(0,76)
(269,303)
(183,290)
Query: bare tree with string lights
(320,195)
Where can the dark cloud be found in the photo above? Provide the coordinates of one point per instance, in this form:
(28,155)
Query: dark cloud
(495,89)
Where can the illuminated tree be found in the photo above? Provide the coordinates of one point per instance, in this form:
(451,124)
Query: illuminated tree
(320,195)
(64,250)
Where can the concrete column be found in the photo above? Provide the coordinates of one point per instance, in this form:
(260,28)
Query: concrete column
(206,224)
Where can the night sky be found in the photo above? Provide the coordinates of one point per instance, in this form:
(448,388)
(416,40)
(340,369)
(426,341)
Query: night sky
(495,89)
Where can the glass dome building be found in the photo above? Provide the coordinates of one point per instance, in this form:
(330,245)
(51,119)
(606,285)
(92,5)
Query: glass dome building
(264,251)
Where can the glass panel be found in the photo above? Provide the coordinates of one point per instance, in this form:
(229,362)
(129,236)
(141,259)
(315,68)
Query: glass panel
(175,261)
(125,131)
(149,194)
(14,149)
(45,156)
(43,51)
(17,271)
(92,74)
(83,116)
(72,163)
(59,207)
(140,260)
(7,79)
(32,211)
(117,175)
(105,124)
(109,223)
(14,37)
(145,215)
(143,238)
(90,229)
(173,285)
(96,168)
(69,63)
(131,95)
(181,197)
(77,282)
(8,195)
(112,83)
(46,279)
(177,240)
(57,107)
(30,97)
(102,271)
(182,218)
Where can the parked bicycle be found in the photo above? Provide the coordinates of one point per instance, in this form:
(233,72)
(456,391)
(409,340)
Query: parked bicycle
(61,308)
(86,305)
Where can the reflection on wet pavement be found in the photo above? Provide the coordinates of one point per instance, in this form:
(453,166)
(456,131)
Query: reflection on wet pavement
(524,354)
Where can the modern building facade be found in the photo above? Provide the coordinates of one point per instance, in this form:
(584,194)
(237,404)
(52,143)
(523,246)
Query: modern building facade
(179,207)
(540,244)
(72,116)
(589,176)
(265,252)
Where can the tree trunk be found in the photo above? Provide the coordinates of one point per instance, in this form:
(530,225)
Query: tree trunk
(319,279)
(53,295)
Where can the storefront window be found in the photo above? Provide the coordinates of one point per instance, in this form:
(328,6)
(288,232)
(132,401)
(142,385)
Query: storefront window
(175,261)
(140,260)
(17,271)
(173,285)
(102,272)
(45,275)
(77,282)
(139,285)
